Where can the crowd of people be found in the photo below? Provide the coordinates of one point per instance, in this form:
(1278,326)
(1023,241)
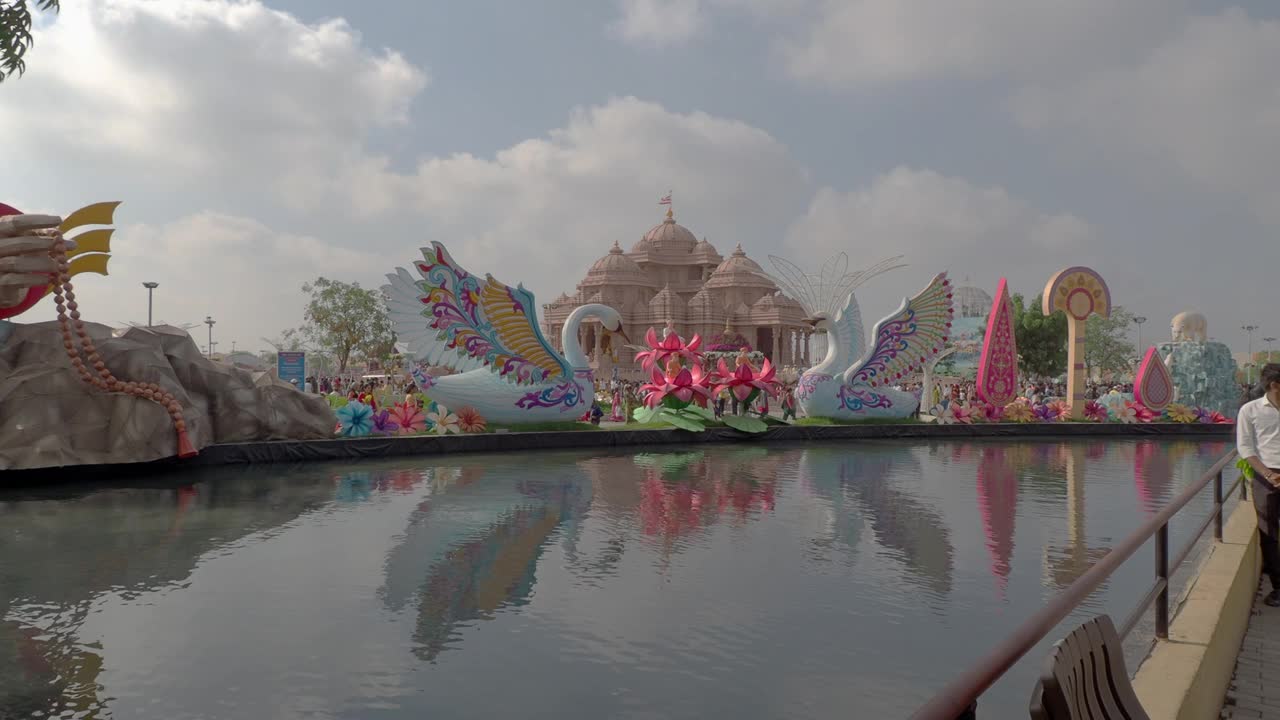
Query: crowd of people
(621,397)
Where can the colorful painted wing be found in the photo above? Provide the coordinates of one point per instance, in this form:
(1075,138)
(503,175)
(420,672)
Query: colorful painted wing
(454,319)
(907,339)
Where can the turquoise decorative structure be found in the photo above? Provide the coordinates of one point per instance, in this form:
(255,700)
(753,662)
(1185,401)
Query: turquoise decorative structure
(1203,372)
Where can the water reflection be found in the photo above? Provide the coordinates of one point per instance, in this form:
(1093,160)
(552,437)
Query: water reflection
(912,532)
(471,550)
(795,581)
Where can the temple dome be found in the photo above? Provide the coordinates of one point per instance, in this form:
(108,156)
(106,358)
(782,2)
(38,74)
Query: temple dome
(667,303)
(739,270)
(972,302)
(705,253)
(616,268)
(666,238)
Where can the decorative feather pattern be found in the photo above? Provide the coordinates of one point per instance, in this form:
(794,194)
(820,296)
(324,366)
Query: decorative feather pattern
(908,339)
(452,318)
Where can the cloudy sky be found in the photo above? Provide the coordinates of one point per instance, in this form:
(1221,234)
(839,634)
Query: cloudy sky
(256,146)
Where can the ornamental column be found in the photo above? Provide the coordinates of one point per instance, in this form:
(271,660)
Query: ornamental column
(777,346)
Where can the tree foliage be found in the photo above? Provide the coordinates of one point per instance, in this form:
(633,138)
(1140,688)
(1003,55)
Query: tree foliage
(1042,341)
(15,33)
(344,319)
(1106,345)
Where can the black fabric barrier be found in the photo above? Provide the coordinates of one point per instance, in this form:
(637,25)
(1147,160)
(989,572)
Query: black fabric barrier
(298,451)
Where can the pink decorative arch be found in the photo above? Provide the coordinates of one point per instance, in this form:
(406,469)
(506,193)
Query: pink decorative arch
(1153,386)
(998,367)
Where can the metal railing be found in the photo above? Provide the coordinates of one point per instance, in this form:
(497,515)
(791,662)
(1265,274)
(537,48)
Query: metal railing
(958,700)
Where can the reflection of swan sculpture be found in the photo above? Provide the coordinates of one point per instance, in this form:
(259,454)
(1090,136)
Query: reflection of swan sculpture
(488,333)
(904,342)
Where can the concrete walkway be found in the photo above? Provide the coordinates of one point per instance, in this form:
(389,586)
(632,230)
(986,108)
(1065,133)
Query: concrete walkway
(1254,692)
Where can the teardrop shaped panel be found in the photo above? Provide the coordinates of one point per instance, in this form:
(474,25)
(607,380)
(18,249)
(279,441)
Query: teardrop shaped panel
(1153,387)
(998,367)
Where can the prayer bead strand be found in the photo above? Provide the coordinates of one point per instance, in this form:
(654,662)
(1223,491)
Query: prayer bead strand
(84,354)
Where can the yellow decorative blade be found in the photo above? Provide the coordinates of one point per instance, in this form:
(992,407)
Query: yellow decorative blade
(96,264)
(92,241)
(96,214)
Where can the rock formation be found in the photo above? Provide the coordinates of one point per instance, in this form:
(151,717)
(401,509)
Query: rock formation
(1203,370)
(49,417)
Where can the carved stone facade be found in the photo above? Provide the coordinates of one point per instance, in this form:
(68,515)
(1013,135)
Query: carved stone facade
(670,278)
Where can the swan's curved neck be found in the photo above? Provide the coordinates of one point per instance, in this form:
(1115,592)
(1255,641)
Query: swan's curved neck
(569,335)
(834,344)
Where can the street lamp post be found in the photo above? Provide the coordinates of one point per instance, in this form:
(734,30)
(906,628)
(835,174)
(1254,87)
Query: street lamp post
(150,286)
(208,320)
(1138,321)
(1269,341)
(1249,362)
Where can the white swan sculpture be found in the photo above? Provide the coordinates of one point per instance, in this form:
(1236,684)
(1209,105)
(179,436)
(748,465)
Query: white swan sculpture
(905,341)
(488,333)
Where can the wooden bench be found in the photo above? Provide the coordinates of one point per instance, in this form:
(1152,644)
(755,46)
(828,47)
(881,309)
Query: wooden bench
(1085,678)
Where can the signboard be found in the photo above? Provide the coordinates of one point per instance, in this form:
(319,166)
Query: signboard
(291,366)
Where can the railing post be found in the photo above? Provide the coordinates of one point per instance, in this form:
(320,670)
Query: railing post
(1217,506)
(1162,573)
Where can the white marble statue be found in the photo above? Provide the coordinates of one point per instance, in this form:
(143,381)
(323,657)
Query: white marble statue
(1190,327)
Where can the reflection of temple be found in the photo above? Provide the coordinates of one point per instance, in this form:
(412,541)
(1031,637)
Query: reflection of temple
(131,545)
(669,276)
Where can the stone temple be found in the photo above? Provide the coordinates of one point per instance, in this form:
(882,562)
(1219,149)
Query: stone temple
(670,278)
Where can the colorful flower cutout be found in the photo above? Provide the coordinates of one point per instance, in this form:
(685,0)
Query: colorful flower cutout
(409,419)
(355,419)
(442,421)
(470,420)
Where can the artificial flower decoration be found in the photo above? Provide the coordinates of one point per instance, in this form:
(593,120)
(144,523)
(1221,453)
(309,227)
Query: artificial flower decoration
(1219,419)
(383,424)
(1095,411)
(442,421)
(743,381)
(1045,413)
(470,420)
(943,415)
(1142,413)
(355,419)
(1062,409)
(409,419)
(678,387)
(987,412)
(963,414)
(1018,412)
(1127,414)
(660,351)
(1180,413)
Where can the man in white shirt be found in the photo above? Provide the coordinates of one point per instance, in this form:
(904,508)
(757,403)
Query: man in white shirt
(1258,442)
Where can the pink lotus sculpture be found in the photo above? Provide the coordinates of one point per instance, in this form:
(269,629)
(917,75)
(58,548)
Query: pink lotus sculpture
(671,346)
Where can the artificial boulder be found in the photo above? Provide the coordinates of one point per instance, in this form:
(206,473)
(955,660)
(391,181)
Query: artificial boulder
(49,417)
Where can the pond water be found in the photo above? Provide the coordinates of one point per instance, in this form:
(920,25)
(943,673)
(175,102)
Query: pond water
(832,580)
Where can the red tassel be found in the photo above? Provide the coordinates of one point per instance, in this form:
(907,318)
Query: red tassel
(185,448)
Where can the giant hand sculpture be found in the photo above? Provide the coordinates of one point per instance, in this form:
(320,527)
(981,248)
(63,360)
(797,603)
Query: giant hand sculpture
(26,262)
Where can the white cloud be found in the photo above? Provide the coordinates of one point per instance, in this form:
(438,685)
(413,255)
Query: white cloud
(248,276)
(1200,107)
(855,44)
(938,223)
(659,23)
(229,105)
(860,43)
(212,93)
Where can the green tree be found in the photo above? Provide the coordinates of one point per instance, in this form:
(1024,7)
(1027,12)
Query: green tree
(344,319)
(15,33)
(1106,344)
(1042,341)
